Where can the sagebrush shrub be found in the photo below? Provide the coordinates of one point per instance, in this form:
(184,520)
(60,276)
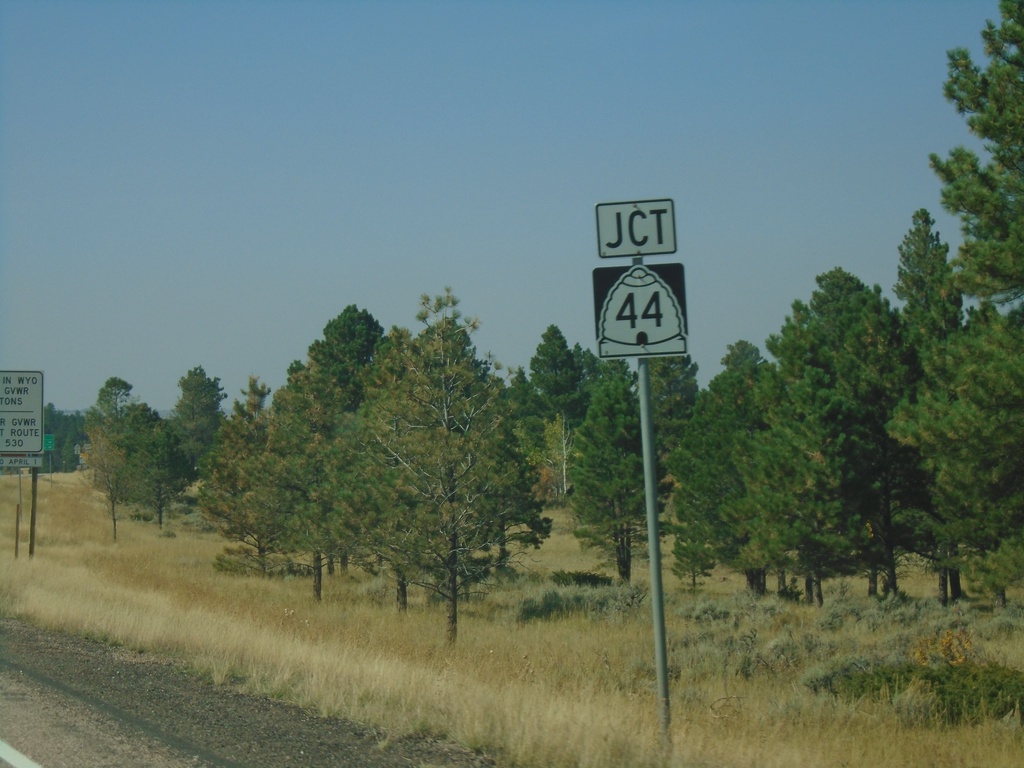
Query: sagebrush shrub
(954,693)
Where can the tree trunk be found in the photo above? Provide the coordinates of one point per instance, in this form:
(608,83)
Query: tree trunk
(956,591)
(318,575)
(453,588)
(873,582)
(818,598)
(809,589)
(402,593)
(503,554)
(755,580)
(780,582)
(943,586)
(624,554)
(891,585)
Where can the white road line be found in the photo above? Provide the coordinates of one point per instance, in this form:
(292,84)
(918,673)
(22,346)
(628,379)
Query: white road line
(14,758)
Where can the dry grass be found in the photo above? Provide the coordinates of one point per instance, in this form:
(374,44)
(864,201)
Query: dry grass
(573,686)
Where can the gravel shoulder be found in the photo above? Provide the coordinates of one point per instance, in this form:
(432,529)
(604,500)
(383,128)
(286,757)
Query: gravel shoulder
(67,700)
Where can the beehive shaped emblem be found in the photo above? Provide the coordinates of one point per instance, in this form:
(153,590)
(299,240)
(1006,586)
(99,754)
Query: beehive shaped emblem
(641,317)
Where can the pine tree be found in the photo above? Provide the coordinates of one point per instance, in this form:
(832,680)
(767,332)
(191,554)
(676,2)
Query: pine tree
(159,467)
(345,353)
(987,196)
(557,374)
(978,433)
(197,415)
(673,394)
(313,435)
(238,495)
(827,472)
(434,429)
(68,430)
(931,318)
(710,521)
(932,309)
(608,479)
(109,466)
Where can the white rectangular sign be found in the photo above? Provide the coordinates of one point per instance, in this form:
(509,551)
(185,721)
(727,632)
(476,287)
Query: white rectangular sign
(639,228)
(21,412)
(31,460)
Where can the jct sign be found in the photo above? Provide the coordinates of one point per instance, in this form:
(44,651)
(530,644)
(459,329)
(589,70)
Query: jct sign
(640,228)
(21,412)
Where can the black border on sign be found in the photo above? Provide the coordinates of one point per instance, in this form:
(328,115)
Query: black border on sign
(605,278)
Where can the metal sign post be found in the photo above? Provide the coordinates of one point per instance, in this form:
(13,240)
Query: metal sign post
(654,544)
(641,312)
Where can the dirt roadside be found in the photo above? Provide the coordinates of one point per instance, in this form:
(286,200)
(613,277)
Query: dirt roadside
(154,712)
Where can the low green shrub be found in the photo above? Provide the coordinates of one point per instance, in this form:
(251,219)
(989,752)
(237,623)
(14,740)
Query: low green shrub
(580,579)
(552,605)
(827,677)
(964,693)
(705,611)
(607,602)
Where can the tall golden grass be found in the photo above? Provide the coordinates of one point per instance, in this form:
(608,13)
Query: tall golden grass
(541,675)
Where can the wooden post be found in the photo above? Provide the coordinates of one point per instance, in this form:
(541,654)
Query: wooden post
(32,517)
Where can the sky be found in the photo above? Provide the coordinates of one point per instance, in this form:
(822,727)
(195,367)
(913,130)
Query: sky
(188,183)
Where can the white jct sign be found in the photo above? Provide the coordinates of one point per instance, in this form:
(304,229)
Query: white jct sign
(639,228)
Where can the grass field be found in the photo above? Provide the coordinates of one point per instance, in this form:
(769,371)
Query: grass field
(541,676)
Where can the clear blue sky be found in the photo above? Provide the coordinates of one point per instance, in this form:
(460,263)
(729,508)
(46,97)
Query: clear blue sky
(209,183)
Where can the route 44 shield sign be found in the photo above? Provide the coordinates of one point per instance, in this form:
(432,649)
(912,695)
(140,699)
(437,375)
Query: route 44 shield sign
(640,311)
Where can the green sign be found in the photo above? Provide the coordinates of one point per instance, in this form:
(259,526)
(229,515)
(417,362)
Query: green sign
(47,442)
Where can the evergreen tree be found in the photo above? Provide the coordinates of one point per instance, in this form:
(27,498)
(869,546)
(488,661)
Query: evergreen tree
(197,415)
(827,473)
(932,309)
(343,356)
(608,479)
(313,434)
(238,496)
(68,430)
(558,376)
(112,402)
(711,524)
(435,429)
(932,317)
(105,425)
(987,196)
(521,522)
(159,467)
(978,433)
(673,394)
(135,456)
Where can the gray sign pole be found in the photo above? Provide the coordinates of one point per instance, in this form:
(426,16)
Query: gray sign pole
(654,544)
